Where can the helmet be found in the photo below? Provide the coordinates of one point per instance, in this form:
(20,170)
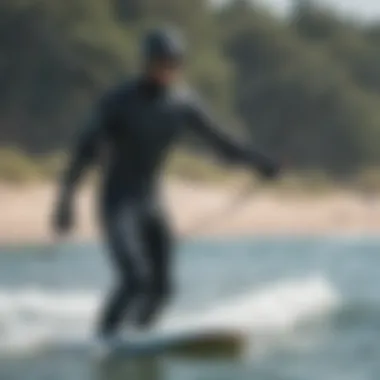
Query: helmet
(163,45)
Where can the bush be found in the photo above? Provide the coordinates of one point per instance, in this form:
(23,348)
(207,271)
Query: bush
(51,165)
(16,167)
(191,167)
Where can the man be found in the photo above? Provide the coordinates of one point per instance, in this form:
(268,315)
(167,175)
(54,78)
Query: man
(136,125)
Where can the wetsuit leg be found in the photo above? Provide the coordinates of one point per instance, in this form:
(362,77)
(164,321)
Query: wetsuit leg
(158,243)
(123,233)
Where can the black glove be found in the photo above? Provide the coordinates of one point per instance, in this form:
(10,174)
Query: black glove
(269,169)
(63,219)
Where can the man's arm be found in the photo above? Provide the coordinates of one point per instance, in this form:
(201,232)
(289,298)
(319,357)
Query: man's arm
(85,152)
(82,157)
(203,123)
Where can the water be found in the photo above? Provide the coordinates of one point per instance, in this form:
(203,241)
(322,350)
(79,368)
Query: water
(311,307)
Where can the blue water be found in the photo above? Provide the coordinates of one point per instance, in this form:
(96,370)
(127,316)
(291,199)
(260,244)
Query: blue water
(317,300)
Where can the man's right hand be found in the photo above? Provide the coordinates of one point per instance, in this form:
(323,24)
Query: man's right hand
(63,219)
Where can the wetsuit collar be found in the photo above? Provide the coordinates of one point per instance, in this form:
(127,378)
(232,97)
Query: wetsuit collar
(152,88)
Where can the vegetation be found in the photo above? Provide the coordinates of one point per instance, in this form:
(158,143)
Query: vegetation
(17,168)
(306,88)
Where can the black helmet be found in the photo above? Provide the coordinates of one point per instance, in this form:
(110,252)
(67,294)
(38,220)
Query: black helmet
(163,45)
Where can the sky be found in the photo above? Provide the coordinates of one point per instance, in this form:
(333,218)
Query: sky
(361,9)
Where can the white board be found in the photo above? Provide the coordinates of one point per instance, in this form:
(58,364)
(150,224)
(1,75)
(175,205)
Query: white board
(176,342)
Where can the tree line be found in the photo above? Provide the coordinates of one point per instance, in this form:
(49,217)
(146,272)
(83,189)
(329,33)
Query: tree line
(305,87)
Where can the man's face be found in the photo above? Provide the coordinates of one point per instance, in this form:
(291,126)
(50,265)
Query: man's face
(164,72)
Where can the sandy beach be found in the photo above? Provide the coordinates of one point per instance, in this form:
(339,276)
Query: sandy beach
(200,210)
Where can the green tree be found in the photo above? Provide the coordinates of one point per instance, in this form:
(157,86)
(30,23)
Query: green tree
(296,98)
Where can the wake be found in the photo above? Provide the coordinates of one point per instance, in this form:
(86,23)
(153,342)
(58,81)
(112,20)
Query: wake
(30,317)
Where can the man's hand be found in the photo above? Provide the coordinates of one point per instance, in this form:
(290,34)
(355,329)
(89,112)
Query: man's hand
(269,169)
(63,219)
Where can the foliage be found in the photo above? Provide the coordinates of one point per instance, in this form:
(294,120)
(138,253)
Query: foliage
(306,88)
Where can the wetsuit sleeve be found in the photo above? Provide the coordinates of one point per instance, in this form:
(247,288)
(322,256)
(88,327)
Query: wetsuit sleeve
(203,123)
(86,149)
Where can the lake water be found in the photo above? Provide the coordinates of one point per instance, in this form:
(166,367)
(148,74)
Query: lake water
(310,306)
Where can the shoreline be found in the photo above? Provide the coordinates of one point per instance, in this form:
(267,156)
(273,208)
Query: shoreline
(198,211)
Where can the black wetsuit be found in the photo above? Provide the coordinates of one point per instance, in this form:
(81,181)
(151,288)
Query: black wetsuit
(133,130)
